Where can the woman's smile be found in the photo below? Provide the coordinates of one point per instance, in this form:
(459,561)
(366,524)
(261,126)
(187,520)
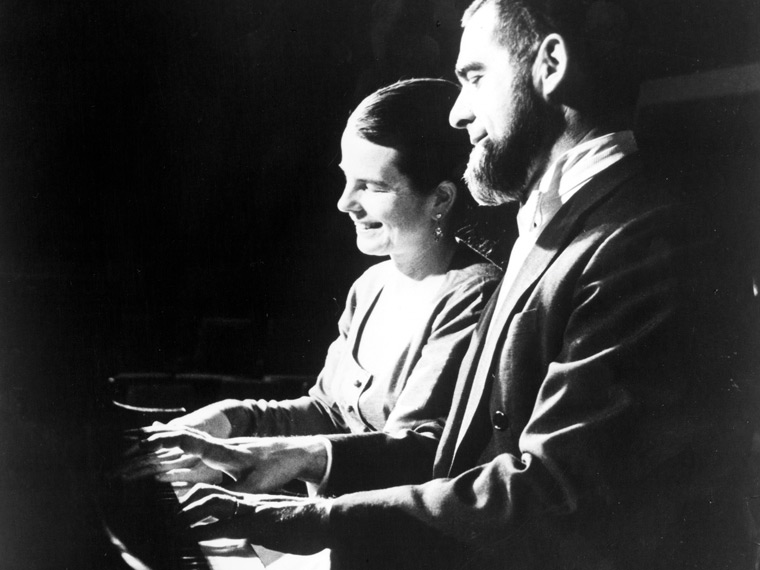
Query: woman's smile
(364,226)
(390,216)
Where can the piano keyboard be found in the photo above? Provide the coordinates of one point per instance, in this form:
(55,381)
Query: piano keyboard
(139,517)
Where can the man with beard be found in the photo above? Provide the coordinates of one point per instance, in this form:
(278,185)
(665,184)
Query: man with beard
(595,423)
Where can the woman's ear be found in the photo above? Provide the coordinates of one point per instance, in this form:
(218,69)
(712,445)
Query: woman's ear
(444,196)
(551,67)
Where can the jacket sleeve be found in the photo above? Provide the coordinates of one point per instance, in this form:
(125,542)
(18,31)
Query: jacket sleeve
(404,451)
(617,447)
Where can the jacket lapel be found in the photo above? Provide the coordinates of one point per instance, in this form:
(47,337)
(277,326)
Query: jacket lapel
(464,387)
(553,239)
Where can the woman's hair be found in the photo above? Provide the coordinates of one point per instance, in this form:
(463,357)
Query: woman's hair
(412,117)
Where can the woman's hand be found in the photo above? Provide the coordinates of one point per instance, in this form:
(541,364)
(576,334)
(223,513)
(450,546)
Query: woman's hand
(184,466)
(168,465)
(287,524)
(209,419)
(181,453)
(171,452)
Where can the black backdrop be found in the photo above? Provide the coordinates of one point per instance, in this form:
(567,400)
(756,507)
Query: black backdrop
(167,165)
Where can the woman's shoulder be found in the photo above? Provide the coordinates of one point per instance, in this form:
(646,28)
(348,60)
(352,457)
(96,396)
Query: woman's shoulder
(468,271)
(468,267)
(467,288)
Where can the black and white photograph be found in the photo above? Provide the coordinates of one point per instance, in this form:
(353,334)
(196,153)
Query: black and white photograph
(380,284)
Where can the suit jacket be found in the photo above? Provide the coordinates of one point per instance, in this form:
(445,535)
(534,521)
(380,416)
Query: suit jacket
(599,428)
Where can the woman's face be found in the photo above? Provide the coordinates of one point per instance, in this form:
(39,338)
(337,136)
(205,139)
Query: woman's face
(390,217)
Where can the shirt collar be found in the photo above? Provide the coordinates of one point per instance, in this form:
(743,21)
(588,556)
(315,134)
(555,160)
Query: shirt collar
(568,174)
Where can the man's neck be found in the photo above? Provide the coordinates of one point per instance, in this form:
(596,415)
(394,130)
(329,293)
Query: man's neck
(577,131)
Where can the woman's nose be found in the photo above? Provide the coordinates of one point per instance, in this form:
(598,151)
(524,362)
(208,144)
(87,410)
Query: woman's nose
(460,115)
(348,201)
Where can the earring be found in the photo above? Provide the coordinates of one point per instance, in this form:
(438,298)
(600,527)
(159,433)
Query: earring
(437,231)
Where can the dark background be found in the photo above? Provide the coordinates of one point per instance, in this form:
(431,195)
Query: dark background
(168,179)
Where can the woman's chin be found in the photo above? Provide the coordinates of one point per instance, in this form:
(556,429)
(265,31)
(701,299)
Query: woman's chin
(368,248)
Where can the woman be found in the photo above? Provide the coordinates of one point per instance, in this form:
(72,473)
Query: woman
(406,324)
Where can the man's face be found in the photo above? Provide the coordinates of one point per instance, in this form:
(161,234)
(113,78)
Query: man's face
(506,119)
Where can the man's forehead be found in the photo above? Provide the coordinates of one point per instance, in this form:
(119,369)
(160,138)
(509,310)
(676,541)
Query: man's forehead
(479,37)
(486,13)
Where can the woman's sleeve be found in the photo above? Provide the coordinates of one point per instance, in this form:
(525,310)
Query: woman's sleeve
(316,413)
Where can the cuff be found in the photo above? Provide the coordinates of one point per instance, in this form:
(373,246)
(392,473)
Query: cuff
(317,489)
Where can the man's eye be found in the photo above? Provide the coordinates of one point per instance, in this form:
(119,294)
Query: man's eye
(473,79)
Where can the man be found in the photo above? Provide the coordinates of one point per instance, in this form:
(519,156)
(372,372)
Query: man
(595,422)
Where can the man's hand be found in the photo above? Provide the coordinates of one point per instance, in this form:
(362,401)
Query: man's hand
(287,524)
(181,453)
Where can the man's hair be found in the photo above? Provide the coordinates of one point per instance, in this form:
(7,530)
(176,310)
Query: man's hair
(412,117)
(603,36)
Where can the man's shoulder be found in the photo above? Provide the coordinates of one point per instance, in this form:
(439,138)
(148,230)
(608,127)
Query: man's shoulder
(643,190)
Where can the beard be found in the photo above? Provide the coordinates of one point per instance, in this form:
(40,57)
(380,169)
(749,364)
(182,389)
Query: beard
(499,171)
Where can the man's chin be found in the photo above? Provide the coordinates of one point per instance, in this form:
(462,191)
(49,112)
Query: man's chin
(483,193)
(486,177)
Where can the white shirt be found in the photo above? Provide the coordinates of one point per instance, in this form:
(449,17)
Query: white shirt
(561,181)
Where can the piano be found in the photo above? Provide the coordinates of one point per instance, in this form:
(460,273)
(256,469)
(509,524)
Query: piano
(139,517)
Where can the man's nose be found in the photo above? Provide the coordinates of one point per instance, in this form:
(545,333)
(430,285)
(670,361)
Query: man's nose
(348,201)
(460,115)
